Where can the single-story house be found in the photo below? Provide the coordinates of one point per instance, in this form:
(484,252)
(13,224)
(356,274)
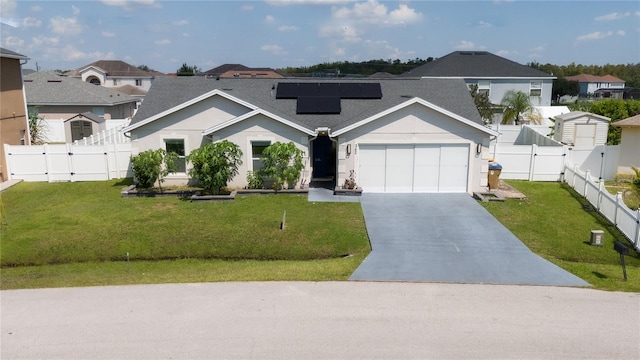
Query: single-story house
(590,84)
(579,128)
(60,99)
(397,135)
(239,70)
(629,144)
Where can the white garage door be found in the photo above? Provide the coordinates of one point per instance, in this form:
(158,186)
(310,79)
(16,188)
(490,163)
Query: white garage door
(413,168)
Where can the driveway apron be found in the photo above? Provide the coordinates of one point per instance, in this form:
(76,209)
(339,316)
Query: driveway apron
(447,238)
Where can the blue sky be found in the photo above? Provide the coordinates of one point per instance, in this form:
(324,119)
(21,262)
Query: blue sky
(165,34)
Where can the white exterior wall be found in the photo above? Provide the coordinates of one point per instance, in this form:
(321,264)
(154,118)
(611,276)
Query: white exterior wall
(122,81)
(416,124)
(262,128)
(629,150)
(499,87)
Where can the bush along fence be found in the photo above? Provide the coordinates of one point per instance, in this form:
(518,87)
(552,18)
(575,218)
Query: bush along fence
(67,162)
(610,206)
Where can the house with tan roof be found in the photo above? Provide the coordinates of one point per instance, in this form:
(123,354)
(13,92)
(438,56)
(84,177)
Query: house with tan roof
(117,75)
(241,71)
(607,86)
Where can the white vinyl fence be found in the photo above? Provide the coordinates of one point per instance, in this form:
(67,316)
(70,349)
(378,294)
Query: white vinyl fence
(610,206)
(530,162)
(108,136)
(67,162)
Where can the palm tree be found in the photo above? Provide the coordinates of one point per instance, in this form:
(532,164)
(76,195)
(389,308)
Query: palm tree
(515,104)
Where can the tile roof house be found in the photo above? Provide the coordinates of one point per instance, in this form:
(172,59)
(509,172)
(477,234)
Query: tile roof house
(241,71)
(629,144)
(600,86)
(59,99)
(493,75)
(117,75)
(14,126)
(397,135)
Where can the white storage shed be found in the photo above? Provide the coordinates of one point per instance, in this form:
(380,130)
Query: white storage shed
(580,129)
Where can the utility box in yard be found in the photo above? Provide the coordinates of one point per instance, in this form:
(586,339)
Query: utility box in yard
(597,237)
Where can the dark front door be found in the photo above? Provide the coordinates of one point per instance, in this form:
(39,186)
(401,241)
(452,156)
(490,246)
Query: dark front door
(324,159)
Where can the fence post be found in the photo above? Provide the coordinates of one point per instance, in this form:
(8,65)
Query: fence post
(7,156)
(587,176)
(637,235)
(47,161)
(532,162)
(70,159)
(615,213)
(600,189)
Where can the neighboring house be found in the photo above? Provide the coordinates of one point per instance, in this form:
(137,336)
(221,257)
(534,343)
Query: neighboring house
(629,144)
(607,86)
(494,75)
(59,99)
(397,135)
(14,122)
(117,75)
(241,71)
(580,129)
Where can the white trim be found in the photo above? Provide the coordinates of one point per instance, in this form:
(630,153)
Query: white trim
(187,104)
(411,102)
(251,114)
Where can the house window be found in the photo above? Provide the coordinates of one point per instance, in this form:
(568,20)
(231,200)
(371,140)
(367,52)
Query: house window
(484,87)
(98,111)
(138,82)
(177,146)
(257,147)
(94,80)
(536,88)
(22,138)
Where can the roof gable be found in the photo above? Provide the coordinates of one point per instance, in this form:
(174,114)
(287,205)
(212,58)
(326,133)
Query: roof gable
(251,114)
(6,53)
(581,114)
(475,64)
(423,103)
(112,68)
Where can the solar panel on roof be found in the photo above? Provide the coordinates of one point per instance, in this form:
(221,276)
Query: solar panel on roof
(287,91)
(370,91)
(318,105)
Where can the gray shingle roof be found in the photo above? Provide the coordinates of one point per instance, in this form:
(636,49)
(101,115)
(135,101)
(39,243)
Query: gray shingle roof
(47,88)
(114,68)
(474,64)
(450,94)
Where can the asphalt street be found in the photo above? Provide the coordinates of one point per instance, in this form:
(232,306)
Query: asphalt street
(323,320)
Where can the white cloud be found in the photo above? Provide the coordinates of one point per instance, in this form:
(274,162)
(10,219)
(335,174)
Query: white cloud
(108,34)
(594,36)
(31,22)
(621,33)
(341,52)
(70,53)
(8,7)
(44,41)
(246,7)
(484,25)
(163,42)
(346,33)
(65,26)
(274,49)
(36,8)
(269,19)
(130,4)
(285,28)
(180,22)
(538,48)
(75,10)
(464,45)
(12,42)
(373,12)
(613,16)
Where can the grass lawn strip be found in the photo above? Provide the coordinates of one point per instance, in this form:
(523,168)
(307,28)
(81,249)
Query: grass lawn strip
(553,223)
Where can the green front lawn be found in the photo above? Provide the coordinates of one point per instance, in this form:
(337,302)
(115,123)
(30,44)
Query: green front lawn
(89,223)
(553,223)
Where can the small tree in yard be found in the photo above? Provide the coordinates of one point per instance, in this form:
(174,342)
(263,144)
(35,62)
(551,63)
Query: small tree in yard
(515,104)
(283,163)
(153,165)
(215,164)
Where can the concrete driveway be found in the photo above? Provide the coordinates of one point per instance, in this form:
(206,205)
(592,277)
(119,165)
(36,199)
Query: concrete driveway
(447,238)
